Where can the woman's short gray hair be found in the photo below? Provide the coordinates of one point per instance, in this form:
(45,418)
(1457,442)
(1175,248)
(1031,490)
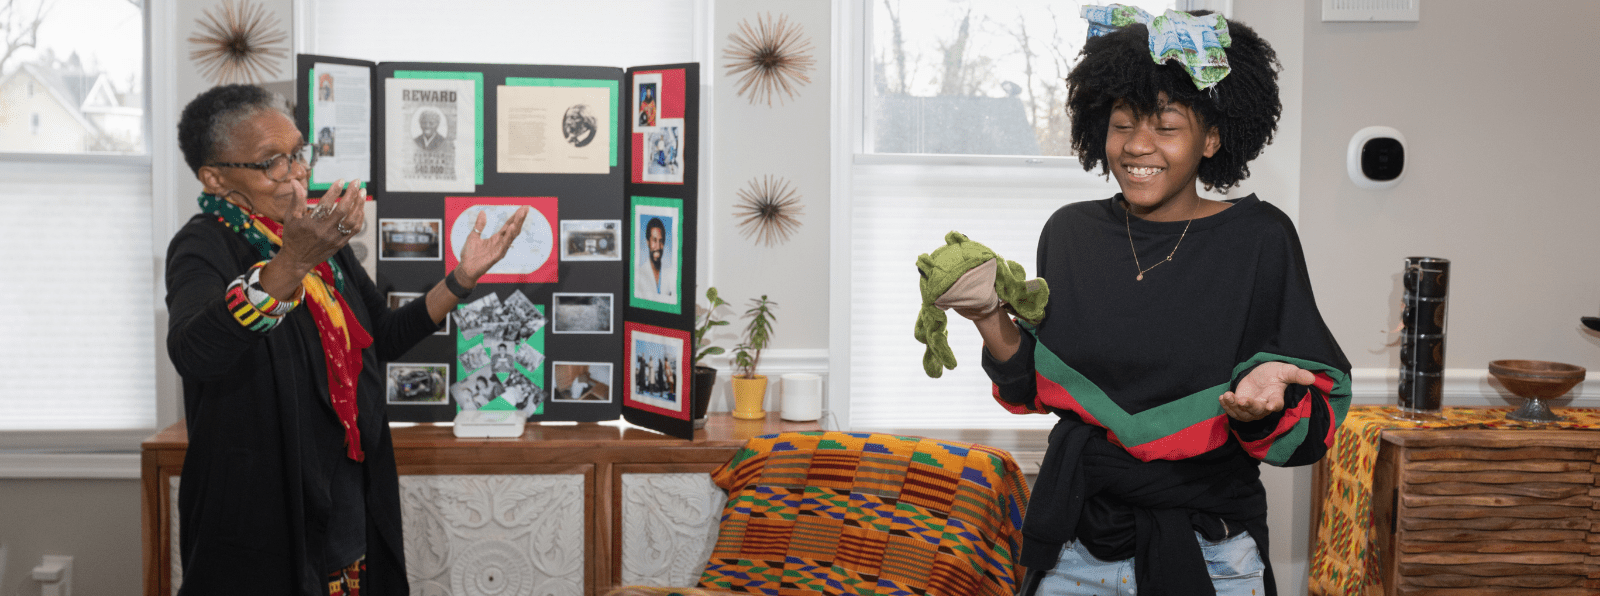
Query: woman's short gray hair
(206,127)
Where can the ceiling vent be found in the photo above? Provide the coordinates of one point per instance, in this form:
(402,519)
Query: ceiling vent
(1371,10)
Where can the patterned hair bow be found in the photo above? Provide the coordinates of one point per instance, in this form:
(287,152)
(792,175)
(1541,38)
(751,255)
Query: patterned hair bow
(1195,42)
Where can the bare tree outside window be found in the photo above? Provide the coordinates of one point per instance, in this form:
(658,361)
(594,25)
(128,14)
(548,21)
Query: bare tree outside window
(72,77)
(976,77)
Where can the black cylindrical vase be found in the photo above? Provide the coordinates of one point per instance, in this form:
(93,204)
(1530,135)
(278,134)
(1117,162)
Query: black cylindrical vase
(1426,281)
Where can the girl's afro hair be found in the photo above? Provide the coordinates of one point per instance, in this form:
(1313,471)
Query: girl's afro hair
(1243,107)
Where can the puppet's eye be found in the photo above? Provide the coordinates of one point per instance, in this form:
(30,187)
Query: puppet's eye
(924,274)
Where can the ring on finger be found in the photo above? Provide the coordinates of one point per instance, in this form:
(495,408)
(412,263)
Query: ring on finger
(344,230)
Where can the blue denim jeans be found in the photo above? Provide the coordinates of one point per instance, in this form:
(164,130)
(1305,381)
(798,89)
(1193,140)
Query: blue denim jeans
(1235,565)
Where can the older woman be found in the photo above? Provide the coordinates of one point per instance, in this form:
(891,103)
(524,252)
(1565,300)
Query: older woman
(289,485)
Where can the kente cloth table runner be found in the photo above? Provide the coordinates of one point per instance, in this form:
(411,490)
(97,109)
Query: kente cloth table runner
(1342,561)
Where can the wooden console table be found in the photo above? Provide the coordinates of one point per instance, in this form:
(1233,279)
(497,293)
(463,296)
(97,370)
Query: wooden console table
(563,509)
(1480,511)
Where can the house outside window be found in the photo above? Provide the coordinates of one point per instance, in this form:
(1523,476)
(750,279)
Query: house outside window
(78,66)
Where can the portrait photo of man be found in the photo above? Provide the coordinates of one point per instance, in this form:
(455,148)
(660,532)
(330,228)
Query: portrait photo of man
(578,126)
(655,274)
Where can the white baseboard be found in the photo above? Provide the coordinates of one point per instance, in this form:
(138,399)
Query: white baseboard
(101,466)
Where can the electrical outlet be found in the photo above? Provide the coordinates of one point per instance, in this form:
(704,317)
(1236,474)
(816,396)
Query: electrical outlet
(54,576)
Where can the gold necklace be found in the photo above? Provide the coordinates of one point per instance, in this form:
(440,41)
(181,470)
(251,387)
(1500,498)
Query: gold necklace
(1129,229)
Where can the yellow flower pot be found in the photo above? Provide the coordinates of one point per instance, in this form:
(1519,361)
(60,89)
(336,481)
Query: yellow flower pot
(749,395)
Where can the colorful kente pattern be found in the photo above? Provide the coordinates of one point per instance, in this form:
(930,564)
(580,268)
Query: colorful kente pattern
(1343,561)
(833,513)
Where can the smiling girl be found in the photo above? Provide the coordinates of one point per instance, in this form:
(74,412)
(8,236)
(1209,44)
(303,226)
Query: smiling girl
(1181,346)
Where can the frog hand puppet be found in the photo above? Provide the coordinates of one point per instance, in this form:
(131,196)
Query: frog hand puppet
(968,276)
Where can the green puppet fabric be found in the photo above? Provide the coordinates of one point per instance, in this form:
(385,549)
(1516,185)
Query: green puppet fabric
(967,276)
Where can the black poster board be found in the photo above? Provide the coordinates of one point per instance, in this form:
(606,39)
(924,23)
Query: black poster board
(545,331)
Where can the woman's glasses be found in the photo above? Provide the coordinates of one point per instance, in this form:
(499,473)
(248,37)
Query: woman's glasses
(279,168)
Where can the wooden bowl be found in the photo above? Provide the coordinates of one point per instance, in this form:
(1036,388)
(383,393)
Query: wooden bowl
(1536,381)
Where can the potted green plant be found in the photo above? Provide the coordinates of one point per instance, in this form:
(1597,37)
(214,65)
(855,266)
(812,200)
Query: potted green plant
(749,388)
(705,377)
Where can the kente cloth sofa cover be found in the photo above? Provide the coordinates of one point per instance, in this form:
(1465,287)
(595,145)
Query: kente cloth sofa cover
(835,513)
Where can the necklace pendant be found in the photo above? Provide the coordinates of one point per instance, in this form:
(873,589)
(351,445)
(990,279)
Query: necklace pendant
(1140,278)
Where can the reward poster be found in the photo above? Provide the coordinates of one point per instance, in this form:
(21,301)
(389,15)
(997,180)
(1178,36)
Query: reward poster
(432,135)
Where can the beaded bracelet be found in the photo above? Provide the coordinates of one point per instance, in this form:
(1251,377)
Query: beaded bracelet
(263,301)
(245,312)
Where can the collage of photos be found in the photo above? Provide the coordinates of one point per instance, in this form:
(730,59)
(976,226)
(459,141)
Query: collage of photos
(500,357)
(658,130)
(657,255)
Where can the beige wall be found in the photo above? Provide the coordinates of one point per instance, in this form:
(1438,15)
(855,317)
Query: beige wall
(96,522)
(1493,105)
(788,140)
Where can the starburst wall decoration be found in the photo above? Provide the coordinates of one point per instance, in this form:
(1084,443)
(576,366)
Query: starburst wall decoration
(769,210)
(238,46)
(773,56)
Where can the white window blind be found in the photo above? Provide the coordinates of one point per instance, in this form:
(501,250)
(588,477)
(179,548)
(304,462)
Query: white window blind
(77,314)
(621,33)
(900,212)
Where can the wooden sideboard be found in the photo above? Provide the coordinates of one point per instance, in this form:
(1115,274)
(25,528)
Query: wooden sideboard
(1483,511)
(563,509)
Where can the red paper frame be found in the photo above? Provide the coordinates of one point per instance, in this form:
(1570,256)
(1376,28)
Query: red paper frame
(670,101)
(626,377)
(546,206)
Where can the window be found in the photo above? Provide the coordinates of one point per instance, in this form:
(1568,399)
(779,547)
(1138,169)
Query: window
(975,78)
(937,150)
(81,62)
(75,216)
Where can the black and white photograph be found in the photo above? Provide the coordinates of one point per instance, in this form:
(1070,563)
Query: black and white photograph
(474,358)
(528,357)
(655,371)
(399,299)
(663,159)
(581,313)
(432,135)
(473,316)
(591,239)
(579,125)
(409,239)
(502,356)
(584,382)
(411,383)
(524,395)
(477,390)
(523,310)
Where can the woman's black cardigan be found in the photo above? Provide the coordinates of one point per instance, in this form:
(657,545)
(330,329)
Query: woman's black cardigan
(264,442)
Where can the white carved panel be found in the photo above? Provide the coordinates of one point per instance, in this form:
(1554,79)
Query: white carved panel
(499,535)
(669,527)
(172,549)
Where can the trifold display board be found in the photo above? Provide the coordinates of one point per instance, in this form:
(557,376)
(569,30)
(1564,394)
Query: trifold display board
(589,314)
